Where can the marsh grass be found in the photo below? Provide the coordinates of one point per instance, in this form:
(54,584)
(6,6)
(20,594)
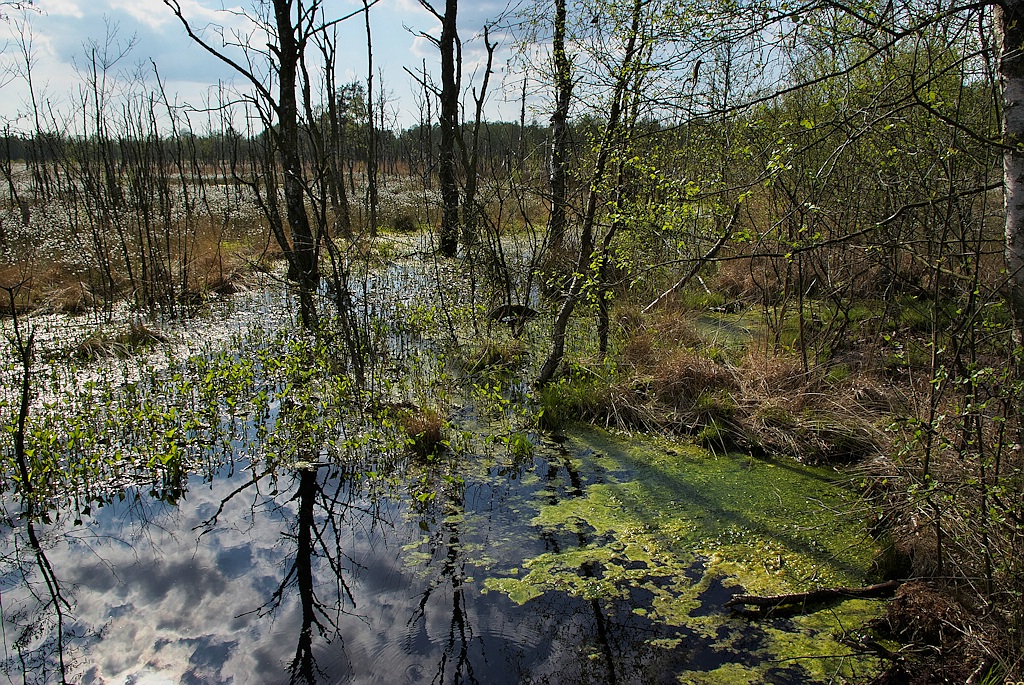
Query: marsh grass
(492,354)
(672,378)
(101,344)
(44,286)
(425,430)
(883,390)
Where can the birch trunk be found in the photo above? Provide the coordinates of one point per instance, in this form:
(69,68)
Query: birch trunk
(1009,22)
(559,132)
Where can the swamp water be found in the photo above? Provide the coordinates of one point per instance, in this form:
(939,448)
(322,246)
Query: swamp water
(238,530)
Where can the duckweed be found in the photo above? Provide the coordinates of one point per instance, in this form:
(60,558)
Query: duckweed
(692,529)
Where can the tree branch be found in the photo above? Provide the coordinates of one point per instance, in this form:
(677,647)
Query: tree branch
(708,256)
(175,7)
(804,599)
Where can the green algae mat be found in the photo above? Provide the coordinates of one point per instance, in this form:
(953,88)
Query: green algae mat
(674,531)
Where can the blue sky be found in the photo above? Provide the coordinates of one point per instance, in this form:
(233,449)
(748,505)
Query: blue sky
(61,31)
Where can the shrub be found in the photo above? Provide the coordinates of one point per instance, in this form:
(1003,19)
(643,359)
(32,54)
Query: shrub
(404,222)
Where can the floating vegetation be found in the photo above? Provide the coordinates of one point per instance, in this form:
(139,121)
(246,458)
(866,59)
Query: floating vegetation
(693,529)
(425,492)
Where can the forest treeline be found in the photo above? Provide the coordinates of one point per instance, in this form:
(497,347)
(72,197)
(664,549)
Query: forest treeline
(847,174)
(401,152)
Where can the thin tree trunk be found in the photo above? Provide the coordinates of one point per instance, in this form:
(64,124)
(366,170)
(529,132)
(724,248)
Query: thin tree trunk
(371,130)
(559,132)
(1009,22)
(303,245)
(447,176)
(471,157)
(585,258)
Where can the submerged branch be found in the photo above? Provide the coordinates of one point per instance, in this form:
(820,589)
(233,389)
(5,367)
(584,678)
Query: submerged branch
(885,589)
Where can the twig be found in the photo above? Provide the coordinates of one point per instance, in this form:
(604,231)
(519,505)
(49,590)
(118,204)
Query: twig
(708,256)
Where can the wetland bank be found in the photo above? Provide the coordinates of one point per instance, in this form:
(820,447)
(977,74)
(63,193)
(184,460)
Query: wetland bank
(292,392)
(245,511)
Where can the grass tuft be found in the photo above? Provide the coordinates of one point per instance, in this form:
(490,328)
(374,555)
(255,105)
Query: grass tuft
(425,431)
(100,344)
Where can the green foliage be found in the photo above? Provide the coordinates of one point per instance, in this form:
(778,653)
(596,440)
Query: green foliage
(569,400)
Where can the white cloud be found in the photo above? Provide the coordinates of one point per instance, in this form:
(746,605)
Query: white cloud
(421,48)
(155,14)
(68,8)
(151,13)
(411,7)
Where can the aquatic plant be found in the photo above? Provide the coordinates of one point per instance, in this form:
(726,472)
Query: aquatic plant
(691,528)
(424,428)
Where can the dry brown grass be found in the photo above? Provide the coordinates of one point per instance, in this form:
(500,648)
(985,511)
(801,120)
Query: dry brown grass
(766,373)
(218,273)
(123,343)
(681,377)
(424,429)
(45,286)
(674,380)
(647,338)
(735,279)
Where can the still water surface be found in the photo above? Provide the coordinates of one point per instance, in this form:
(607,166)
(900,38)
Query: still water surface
(317,575)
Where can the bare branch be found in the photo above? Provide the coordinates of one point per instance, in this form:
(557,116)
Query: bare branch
(247,74)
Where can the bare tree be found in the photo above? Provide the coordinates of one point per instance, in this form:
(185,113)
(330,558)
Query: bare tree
(451,85)
(290,26)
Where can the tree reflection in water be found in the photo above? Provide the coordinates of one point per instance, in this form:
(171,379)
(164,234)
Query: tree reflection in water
(314,573)
(40,609)
(347,569)
(446,572)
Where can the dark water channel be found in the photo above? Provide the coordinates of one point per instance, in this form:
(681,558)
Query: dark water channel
(277,554)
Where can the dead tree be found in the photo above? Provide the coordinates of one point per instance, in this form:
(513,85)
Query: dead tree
(450,48)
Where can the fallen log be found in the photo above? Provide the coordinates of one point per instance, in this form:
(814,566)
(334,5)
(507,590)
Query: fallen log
(886,589)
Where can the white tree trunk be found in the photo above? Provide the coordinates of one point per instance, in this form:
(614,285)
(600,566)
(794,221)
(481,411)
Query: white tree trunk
(1009,23)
